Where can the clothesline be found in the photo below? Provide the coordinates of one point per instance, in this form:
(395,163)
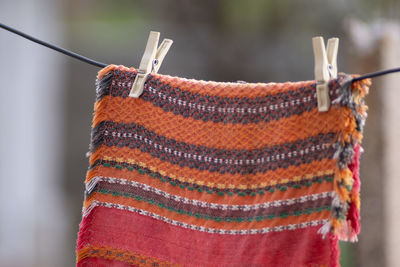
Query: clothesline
(102,65)
(54,47)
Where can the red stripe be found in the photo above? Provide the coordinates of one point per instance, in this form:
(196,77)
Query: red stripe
(154,238)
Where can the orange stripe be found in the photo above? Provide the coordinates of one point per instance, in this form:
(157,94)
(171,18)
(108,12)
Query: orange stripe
(203,222)
(219,135)
(228,89)
(120,255)
(211,179)
(315,188)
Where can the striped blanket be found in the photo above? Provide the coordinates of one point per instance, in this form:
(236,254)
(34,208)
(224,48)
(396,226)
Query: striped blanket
(197,173)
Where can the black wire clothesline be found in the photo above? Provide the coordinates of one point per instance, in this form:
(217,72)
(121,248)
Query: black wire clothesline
(102,65)
(54,47)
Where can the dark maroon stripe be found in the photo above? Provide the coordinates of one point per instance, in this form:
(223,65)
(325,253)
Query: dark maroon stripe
(123,135)
(159,93)
(117,83)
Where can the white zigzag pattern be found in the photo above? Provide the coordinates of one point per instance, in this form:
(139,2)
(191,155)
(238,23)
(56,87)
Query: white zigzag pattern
(279,228)
(277,203)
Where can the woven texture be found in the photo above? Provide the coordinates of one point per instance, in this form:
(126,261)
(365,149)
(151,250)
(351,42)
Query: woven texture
(197,173)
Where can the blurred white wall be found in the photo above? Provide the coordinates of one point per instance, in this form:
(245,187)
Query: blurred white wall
(32,216)
(391,111)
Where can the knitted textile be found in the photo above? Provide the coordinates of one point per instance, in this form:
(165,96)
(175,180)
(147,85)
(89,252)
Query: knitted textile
(197,173)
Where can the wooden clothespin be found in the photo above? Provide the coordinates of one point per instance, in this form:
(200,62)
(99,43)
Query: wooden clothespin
(151,61)
(325,68)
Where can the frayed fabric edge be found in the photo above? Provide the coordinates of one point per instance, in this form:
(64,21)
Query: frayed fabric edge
(346,186)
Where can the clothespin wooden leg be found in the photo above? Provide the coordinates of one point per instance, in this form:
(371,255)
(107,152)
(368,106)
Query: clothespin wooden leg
(331,53)
(325,69)
(162,52)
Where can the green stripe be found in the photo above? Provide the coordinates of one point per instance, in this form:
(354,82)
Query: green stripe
(215,218)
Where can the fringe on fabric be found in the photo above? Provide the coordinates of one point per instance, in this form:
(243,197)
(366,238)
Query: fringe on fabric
(345,213)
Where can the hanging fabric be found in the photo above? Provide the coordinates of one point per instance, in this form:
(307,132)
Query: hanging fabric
(196,173)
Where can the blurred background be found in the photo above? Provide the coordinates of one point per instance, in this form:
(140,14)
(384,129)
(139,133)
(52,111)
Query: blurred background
(46,101)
